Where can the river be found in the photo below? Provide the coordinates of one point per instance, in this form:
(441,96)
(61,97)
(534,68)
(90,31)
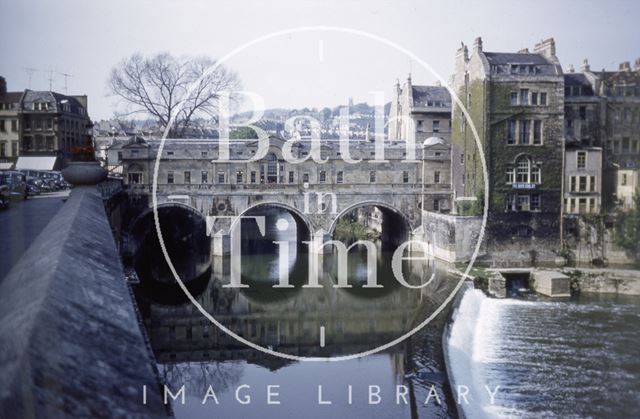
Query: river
(573,358)
(191,351)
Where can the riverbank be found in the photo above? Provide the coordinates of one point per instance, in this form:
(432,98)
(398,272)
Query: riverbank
(604,281)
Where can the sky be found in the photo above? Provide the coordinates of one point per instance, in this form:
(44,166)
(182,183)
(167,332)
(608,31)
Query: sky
(315,68)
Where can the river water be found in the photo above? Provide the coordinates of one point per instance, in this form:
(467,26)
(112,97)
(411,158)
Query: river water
(547,358)
(573,358)
(193,353)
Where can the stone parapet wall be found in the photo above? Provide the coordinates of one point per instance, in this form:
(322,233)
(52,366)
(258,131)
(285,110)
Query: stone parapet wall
(70,341)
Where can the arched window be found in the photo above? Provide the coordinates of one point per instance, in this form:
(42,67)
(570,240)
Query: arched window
(270,168)
(524,172)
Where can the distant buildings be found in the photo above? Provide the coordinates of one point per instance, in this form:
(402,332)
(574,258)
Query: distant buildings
(9,123)
(419,112)
(37,124)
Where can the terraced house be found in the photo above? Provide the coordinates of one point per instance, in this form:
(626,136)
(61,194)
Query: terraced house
(516,104)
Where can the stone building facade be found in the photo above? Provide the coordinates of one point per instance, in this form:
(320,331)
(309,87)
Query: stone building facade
(10,123)
(582,180)
(420,112)
(52,123)
(516,104)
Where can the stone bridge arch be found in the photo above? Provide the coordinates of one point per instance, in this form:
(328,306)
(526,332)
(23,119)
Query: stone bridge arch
(184,232)
(298,216)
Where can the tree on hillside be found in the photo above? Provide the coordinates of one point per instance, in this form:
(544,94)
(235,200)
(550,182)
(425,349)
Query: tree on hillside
(156,85)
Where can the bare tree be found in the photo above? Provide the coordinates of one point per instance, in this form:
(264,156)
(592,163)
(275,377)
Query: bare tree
(156,85)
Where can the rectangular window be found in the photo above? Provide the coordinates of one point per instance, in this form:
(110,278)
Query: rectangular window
(535,175)
(220,177)
(419,125)
(510,176)
(582,184)
(522,203)
(204,176)
(436,205)
(592,183)
(583,112)
(14,148)
(14,125)
(543,98)
(405,177)
(623,181)
(524,96)
(524,132)
(239,176)
(2,127)
(339,177)
(290,177)
(534,203)
(253,176)
(3,149)
(625,145)
(573,183)
(592,205)
(169,177)
(462,158)
(204,154)
(436,126)
(187,177)
(372,176)
(581,159)
(513,98)
(537,132)
(305,178)
(436,177)
(511,132)
(323,176)
(534,98)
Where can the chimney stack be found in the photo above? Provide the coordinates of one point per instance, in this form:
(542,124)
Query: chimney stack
(477,45)
(585,66)
(524,51)
(625,66)
(571,69)
(3,86)
(546,48)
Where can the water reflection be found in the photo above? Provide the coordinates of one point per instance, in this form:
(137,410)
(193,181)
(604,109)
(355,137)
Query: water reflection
(192,350)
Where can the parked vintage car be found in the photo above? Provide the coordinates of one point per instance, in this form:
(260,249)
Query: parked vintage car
(34,187)
(17,183)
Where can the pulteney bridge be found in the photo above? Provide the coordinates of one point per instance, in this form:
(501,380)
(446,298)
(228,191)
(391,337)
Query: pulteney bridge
(193,182)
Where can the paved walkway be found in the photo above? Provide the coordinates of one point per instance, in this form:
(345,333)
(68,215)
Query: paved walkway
(21,223)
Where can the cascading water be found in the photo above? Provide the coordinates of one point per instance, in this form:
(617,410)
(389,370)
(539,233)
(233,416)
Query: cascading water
(552,359)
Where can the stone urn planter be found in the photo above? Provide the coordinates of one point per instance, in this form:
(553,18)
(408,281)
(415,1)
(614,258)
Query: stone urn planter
(84,173)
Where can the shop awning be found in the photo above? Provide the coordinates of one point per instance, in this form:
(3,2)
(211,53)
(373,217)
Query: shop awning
(6,166)
(36,163)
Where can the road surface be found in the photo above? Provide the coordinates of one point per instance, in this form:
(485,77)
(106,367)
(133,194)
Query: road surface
(21,223)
